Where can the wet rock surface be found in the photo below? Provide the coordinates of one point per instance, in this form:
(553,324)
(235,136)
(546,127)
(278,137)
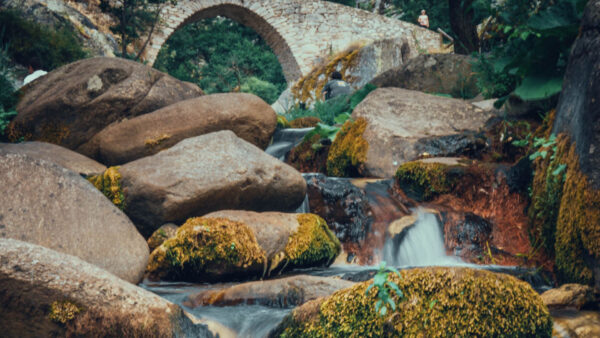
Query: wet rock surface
(570,297)
(45,204)
(284,292)
(344,206)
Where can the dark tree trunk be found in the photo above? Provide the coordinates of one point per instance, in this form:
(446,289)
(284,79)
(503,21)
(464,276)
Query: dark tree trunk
(461,22)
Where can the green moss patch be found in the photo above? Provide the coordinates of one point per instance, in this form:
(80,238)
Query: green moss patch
(109,183)
(424,181)
(313,244)
(208,249)
(349,150)
(438,302)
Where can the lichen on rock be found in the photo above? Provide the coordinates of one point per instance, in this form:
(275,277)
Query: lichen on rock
(63,311)
(313,244)
(109,183)
(208,249)
(349,150)
(438,302)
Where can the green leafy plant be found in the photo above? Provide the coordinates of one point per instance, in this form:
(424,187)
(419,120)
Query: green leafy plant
(384,288)
(534,40)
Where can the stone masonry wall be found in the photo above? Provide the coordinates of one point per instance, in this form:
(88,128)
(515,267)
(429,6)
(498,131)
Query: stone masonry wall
(300,32)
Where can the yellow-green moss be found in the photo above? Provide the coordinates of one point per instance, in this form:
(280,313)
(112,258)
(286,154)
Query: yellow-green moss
(109,183)
(309,88)
(349,150)
(425,180)
(439,302)
(565,213)
(313,244)
(208,249)
(305,122)
(282,122)
(63,311)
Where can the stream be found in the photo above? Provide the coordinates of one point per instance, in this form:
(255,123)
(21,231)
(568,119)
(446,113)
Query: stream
(422,244)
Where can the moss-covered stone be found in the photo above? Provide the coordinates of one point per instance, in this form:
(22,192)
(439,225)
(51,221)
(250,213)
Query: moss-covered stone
(208,249)
(109,183)
(349,150)
(425,181)
(305,122)
(309,88)
(310,156)
(313,244)
(63,311)
(282,122)
(161,235)
(438,302)
(565,212)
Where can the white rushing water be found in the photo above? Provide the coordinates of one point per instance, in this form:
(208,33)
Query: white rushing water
(423,245)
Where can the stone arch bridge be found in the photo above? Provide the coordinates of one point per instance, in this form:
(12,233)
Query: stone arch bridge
(300,32)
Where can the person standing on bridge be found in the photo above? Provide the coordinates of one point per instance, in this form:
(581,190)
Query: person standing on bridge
(423,19)
(336,87)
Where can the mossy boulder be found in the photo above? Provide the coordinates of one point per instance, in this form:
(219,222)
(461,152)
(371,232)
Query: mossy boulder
(234,244)
(565,213)
(349,150)
(310,156)
(437,302)
(426,180)
(207,249)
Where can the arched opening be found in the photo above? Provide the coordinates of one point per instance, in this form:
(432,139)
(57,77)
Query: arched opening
(229,48)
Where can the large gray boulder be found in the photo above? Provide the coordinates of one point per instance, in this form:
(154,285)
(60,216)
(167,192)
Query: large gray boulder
(249,117)
(206,173)
(72,103)
(52,153)
(44,293)
(48,205)
(433,73)
(403,124)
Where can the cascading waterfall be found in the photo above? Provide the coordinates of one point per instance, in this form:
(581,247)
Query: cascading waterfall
(423,245)
(284,140)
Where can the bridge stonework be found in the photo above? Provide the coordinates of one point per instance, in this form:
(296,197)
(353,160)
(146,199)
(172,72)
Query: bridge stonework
(300,32)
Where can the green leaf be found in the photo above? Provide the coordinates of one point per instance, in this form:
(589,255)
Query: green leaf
(559,169)
(340,119)
(520,143)
(369,289)
(396,289)
(432,303)
(383,311)
(392,304)
(380,279)
(539,87)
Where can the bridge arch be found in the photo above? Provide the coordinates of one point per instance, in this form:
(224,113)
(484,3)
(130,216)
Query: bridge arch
(244,16)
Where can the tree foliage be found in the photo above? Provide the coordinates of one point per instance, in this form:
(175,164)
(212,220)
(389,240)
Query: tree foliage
(531,44)
(134,18)
(221,55)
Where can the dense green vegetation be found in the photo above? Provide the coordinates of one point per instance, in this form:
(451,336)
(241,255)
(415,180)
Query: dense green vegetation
(221,55)
(32,44)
